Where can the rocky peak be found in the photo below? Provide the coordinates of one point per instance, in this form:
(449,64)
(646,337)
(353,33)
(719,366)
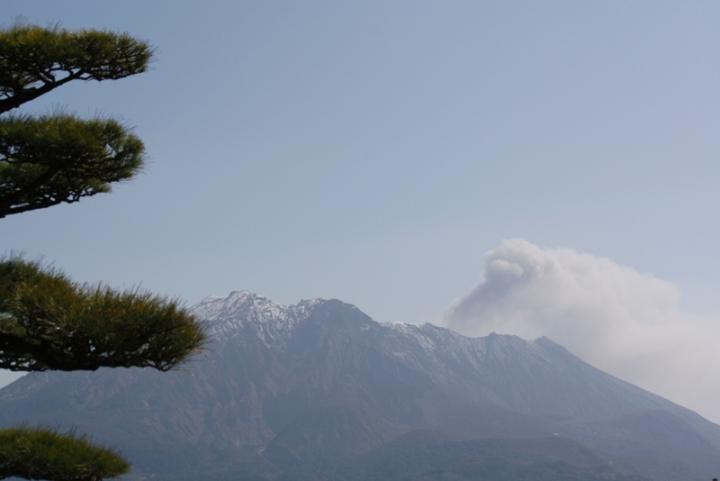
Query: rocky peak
(239,309)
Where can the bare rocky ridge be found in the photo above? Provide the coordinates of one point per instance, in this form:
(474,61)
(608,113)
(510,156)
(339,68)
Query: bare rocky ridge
(319,391)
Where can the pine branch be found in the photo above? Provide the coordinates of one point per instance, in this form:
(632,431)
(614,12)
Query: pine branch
(40,454)
(61,159)
(36,60)
(50,323)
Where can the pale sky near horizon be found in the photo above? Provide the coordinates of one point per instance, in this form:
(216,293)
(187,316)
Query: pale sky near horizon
(374,151)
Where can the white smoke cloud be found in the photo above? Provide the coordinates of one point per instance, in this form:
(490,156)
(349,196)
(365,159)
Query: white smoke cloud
(629,324)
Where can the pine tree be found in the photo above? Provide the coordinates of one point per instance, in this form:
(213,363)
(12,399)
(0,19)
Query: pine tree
(47,321)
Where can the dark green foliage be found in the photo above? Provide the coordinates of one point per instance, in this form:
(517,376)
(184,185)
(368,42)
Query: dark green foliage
(60,158)
(49,322)
(35,60)
(52,159)
(42,454)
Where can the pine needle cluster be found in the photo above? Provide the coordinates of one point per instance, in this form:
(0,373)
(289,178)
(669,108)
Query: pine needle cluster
(47,321)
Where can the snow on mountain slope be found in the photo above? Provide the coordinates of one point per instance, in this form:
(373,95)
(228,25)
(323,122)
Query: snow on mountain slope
(294,392)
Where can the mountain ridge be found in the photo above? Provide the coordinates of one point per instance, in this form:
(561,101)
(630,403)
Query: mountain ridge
(310,390)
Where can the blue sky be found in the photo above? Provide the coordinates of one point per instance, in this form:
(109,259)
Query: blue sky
(374,151)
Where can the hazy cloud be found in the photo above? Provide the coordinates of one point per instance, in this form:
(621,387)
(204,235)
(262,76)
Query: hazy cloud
(627,323)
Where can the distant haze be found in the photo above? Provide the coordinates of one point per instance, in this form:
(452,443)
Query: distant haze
(318,390)
(628,323)
(373,151)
